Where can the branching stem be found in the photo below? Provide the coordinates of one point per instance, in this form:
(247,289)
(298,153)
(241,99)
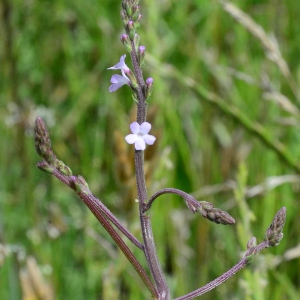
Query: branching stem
(184,195)
(94,204)
(213,284)
(149,245)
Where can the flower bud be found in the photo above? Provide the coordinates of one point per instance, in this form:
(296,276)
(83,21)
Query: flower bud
(63,169)
(136,13)
(149,88)
(44,166)
(82,181)
(252,243)
(124,17)
(131,29)
(141,55)
(126,42)
(129,11)
(73,181)
(138,20)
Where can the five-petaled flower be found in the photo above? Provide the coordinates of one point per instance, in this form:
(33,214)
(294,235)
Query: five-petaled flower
(118,80)
(140,136)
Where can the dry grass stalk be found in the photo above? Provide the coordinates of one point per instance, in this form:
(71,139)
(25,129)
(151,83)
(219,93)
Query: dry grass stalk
(32,282)
(269,43)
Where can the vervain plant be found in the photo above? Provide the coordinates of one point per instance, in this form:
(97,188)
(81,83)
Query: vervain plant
(142,89)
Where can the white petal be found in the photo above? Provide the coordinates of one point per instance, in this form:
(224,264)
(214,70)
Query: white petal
(140,144)
(135,127)
(149,139)
(145,127)
(131,138)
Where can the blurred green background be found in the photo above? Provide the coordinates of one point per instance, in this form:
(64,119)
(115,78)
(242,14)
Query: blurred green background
(225,110)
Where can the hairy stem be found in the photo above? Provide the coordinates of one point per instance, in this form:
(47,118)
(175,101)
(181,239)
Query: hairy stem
(183,194)
(149,245)
(213,284)
(206,209)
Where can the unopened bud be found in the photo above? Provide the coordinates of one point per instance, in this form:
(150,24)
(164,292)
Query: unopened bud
(136,13)
(62,168)
(274,233)
(126,41)
(252,243)
(131,29)
(75,184)
(137,21)
(141,55)
(82,180)
(124,17)
(44,166)
(149,88)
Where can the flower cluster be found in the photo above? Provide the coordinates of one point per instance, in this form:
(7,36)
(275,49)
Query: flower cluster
(131,40)
(139,136)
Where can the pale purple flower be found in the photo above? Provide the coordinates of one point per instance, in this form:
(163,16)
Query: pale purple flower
(118,80)
(120,65)
(140,136)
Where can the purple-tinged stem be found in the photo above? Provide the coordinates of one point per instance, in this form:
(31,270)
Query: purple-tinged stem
(183,194)
(149,245)
(100,206)
(213,284)
(206,209)
(273,237)
(93,204)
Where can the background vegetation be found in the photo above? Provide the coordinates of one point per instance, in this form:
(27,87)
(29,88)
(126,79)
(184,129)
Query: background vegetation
(225,109)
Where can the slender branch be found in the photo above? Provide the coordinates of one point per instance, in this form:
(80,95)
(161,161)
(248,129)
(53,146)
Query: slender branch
(213,284)
(107,213)
(57,168)
(98,204)
(183,194)
(79,186)
(206,209)
(210,286)
(273,237)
